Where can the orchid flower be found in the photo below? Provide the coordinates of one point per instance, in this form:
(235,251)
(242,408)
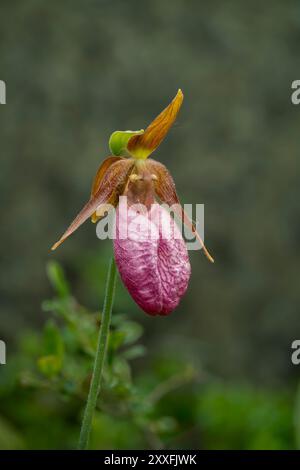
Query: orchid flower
(156,269)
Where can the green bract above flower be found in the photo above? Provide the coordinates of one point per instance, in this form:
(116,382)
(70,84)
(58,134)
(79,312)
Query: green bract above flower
(140,144)
(118,142)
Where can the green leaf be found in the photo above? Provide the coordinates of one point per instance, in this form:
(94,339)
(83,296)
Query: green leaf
(116,340)
(136,351)
(119,139)
(51,362)
(50,365)
(10,439)
(297,417)
(166,424)
(132,331)
(53,342)
(121,369)
(57,278)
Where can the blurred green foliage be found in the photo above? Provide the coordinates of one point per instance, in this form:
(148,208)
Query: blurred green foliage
(167,403)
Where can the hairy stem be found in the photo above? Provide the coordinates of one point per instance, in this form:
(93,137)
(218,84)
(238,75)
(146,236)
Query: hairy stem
(99,358)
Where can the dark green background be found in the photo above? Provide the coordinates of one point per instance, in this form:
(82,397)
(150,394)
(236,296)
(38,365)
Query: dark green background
(76,71)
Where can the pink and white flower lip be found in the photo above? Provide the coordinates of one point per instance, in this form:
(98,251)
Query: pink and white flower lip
(153,260)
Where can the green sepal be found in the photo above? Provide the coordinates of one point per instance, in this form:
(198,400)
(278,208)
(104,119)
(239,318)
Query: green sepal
(118,141)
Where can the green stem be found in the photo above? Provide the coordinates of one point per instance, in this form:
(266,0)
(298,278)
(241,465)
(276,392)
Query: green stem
(99,358)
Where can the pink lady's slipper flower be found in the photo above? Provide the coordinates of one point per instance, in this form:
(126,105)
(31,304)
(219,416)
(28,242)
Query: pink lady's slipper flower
(150,252)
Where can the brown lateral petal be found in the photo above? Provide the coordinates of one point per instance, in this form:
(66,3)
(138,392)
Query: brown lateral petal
(164,185)
(99,177)
(101,172)
(166,191)
(140,146)
(113,183)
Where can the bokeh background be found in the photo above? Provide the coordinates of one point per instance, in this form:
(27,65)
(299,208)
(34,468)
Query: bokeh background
(75,72)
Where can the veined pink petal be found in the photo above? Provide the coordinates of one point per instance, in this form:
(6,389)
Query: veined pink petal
(152,258)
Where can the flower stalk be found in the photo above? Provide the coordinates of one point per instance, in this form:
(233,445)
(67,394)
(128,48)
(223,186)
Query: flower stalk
(100,356)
